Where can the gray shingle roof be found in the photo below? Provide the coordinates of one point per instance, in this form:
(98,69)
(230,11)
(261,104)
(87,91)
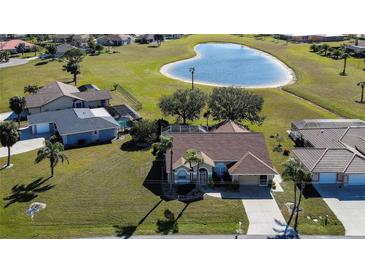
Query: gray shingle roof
(309,156)
(69,122)
(334,160)
(58,89)
(324,138)
(327,123)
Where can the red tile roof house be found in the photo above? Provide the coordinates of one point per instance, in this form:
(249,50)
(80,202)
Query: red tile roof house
(12,44)
(333,151)
(239,157)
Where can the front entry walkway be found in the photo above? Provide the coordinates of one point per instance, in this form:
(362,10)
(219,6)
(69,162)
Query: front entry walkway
(263,213)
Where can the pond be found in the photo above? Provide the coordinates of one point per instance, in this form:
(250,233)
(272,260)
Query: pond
(225,64)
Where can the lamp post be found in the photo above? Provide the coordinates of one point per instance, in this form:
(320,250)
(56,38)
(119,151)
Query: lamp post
(192,70)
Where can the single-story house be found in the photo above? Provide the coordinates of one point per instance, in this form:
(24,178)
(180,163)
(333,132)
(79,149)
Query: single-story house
(114,40)
(11,45)
(124,114)
(333,151)
(61,49)
(78,126)
(312,38)
(58,95)
(228,157)
(357,47)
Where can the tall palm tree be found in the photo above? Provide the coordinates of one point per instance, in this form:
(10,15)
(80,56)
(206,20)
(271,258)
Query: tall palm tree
(52,151)
(295,171)
(345,55)
(362,86)
(17,104)
(166,143)
(193,156)
(9,135)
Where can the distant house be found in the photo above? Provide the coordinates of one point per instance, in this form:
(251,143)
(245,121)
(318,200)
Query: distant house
(312,38)
(58,96)
(333,150)
(124,114)
(77,40)
(61,38)
(11,45)
(62,49)
(114,40)
(76,127)
(228,156)
(357,47)
(172,36)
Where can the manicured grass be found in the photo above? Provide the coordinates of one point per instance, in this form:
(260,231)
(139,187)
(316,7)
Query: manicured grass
(102,186)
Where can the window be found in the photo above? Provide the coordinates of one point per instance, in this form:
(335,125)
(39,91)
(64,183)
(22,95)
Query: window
(340,177)
(263,179)
(78,105)
(182,174)
(315,177)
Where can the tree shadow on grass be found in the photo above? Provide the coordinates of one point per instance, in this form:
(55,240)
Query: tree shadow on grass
(25,193)
(169,224)
(132,146)
(127,231)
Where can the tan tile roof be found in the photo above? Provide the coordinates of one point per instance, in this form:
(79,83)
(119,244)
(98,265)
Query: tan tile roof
(12,44)
(229,126)
(251,164)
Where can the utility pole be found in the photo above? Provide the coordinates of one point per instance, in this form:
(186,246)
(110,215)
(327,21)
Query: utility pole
(192,70)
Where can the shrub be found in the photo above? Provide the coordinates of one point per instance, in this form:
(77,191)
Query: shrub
(144,132)
(286,152)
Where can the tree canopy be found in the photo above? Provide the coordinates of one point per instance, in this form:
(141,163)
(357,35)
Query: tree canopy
(144,132)
(235,104)
(184,104)
(17,104)
(73,56)
(9,135)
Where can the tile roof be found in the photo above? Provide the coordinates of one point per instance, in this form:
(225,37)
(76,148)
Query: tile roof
(58,89)
(327,123)
(72,121)
(309,156)
(225,147)
(229,126)
(250,164)
(324,138)
(12,44)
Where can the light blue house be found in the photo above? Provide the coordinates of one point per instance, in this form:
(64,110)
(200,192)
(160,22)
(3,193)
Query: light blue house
(76,127)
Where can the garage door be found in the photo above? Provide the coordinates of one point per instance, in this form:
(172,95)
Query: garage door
(42,128)
(356,179)
(327,178)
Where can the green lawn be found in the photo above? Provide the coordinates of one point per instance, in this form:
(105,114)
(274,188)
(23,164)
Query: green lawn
(101,191)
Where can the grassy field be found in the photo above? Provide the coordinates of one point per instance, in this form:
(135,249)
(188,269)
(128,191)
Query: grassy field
(101,192)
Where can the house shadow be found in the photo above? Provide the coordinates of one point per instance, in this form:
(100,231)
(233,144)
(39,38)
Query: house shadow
(310,192)
(26,193)
(127,231)
(131,146)
(153,46)
(249,192)
(41,63)
(342,193)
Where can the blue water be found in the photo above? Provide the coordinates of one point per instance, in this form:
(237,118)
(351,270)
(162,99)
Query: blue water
(230,64)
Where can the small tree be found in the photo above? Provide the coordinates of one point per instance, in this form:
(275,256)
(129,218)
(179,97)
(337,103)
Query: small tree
(362,86)
(344,56)
(295,171)
(336,53)
(73,56)
(99,48)
(52,151)
(31,89)
(17,105)
(35,49)
(4,56)
(314,48)
(193,156)
(158,38)
(9,135)
(51,49)
(325,48)
(144,132)
(206,115)
(20,48)
(235,104)
(185,104)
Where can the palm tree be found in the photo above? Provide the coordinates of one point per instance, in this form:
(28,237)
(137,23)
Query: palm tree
(362,86)
(325,48)
(345,55)
(9,135)
(296,172)
(193,156)
(54,152)
(17,104)
(206,116)
(166,143)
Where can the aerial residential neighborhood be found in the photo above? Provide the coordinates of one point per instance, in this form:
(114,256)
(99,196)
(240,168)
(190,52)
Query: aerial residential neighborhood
(125,135)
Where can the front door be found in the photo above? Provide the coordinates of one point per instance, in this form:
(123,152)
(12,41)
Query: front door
(203,176)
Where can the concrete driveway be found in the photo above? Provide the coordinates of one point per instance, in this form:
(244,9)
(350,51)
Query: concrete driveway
(263,213)
(22,146)
(348,203)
